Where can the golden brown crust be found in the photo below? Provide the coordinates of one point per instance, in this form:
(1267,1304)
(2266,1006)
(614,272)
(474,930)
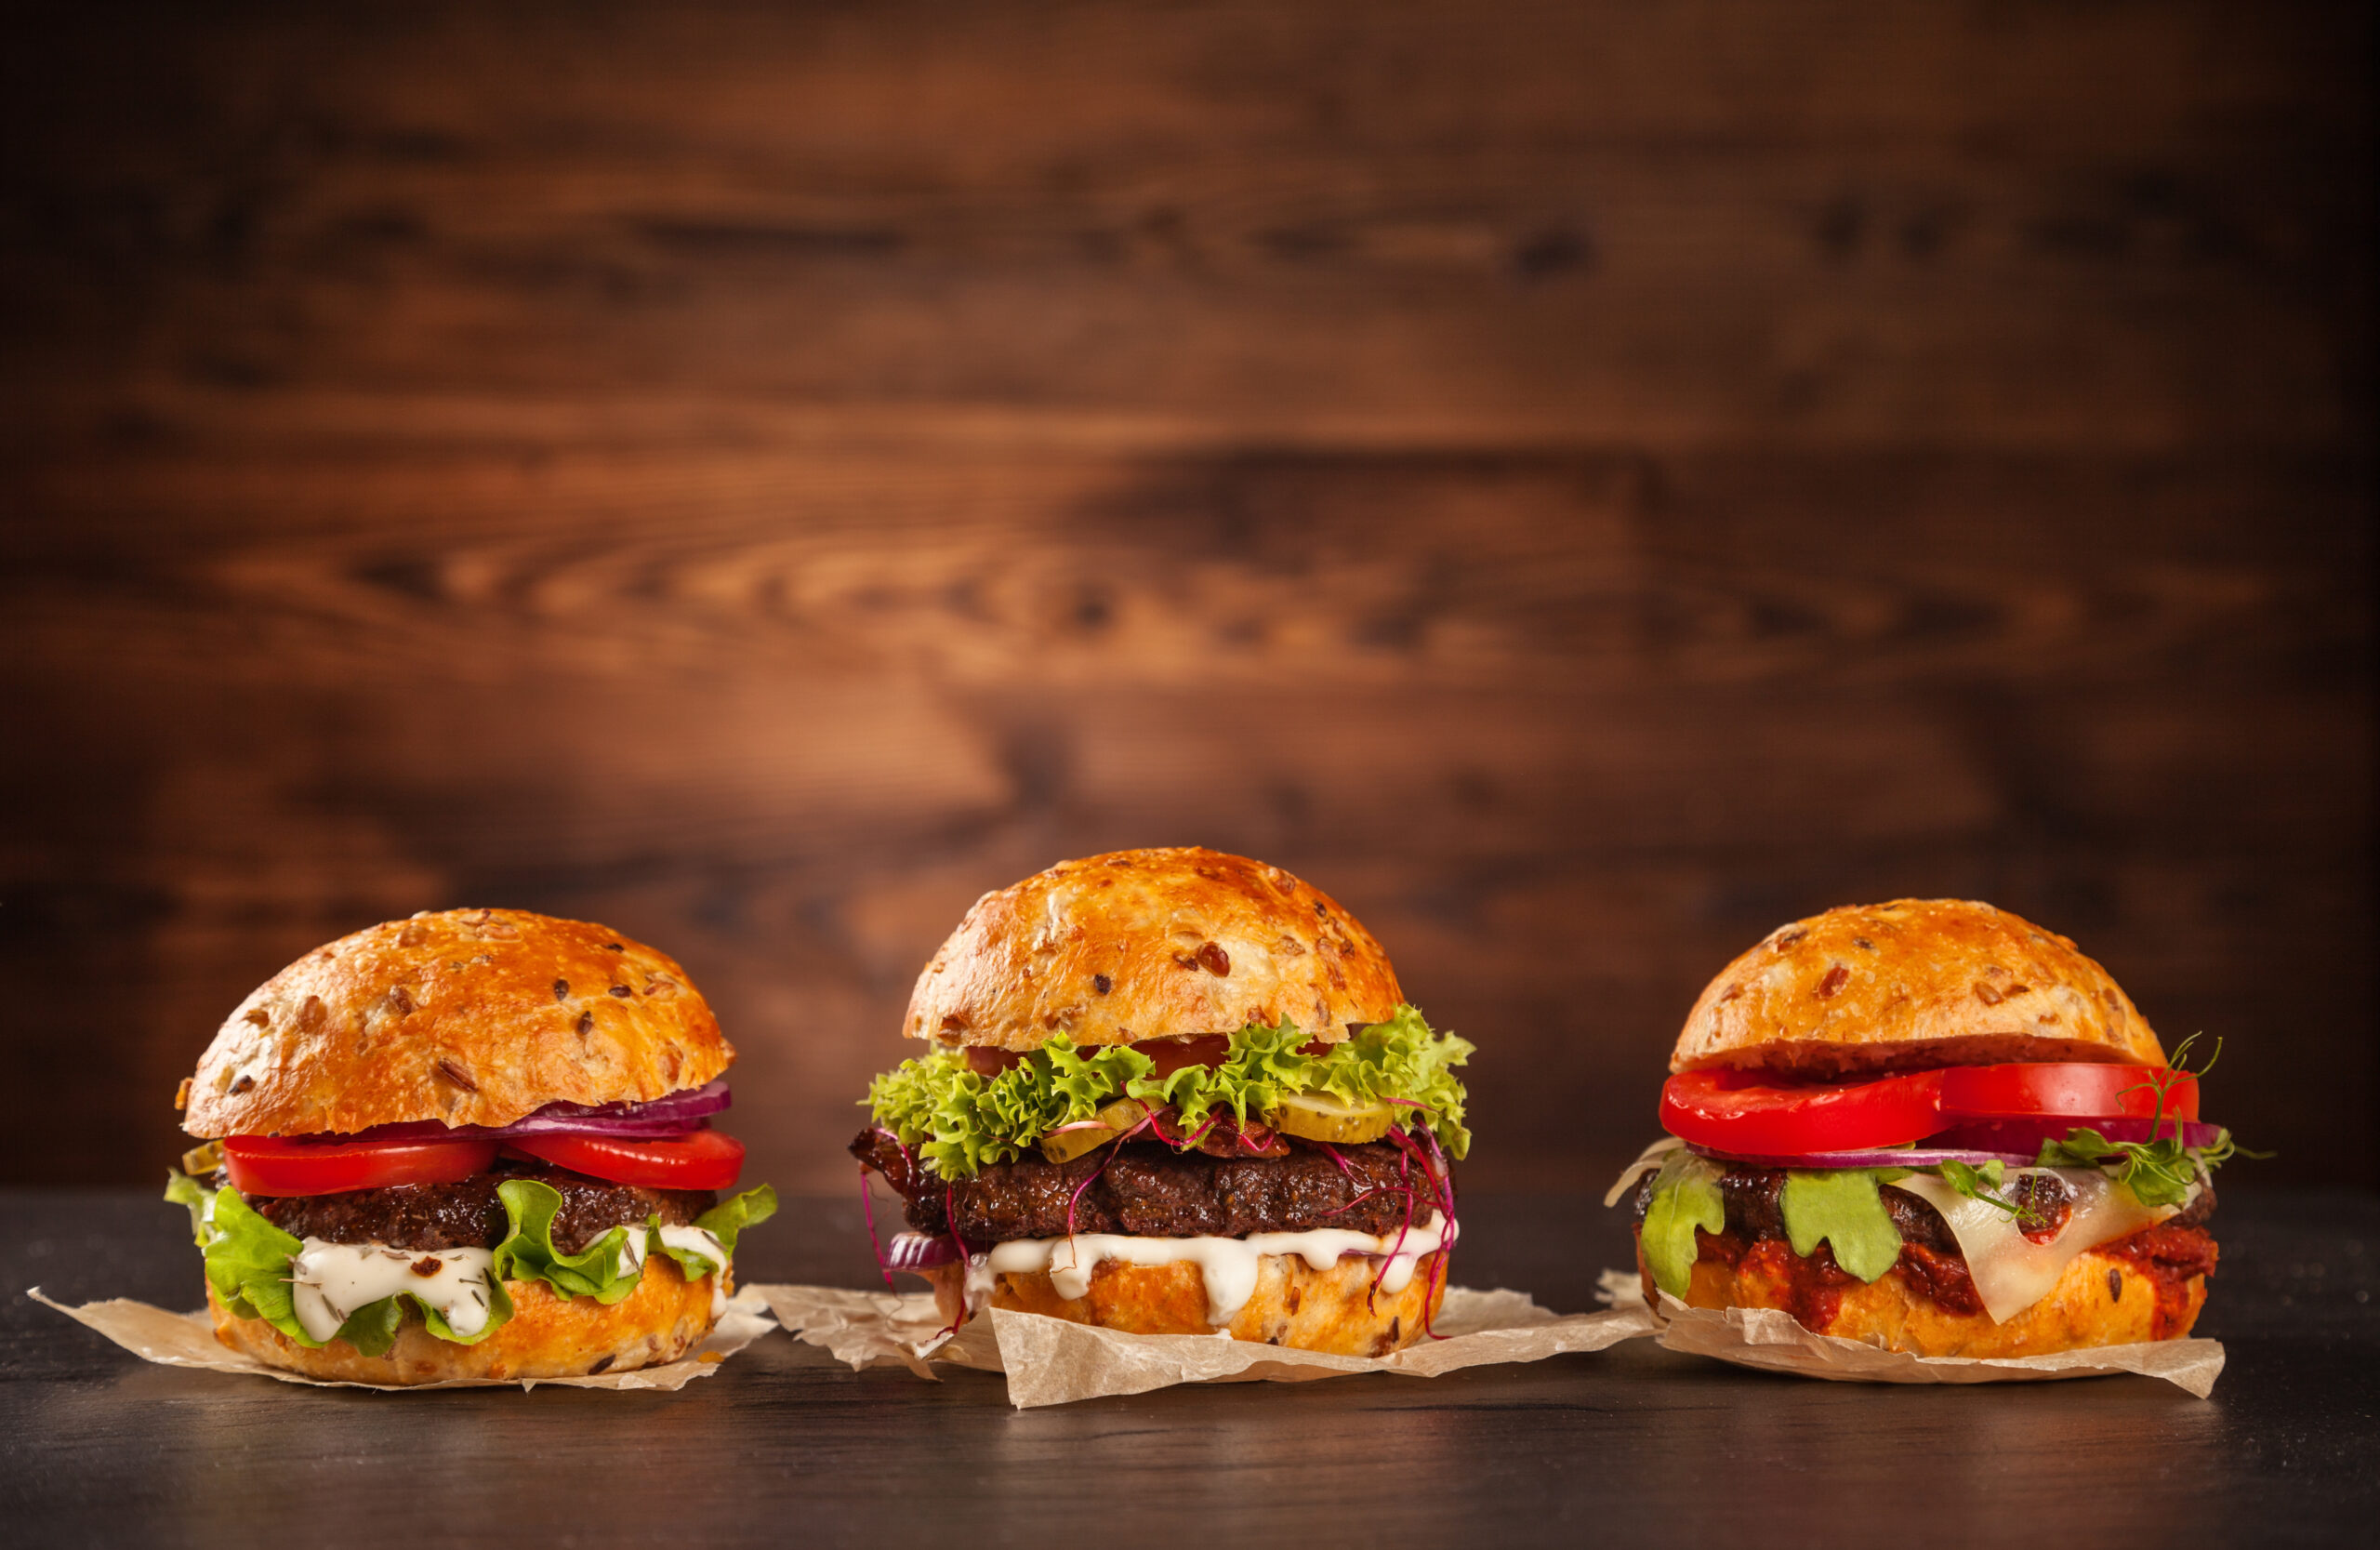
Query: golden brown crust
(547,1336)
(1187,941)
(1294,1305)
(2101,1300)
(1912,984)
(469,1017)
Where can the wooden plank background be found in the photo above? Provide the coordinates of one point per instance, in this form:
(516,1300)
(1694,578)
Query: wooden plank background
(1582,483)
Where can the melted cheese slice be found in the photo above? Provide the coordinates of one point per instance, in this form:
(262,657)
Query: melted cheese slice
(2011,1272)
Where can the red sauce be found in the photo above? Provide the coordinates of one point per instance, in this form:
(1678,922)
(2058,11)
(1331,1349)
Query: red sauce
(1942,1278)
(2169,1258)
(1811,1289)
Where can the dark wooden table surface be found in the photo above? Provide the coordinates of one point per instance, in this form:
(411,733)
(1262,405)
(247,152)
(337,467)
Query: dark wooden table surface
(783,1446)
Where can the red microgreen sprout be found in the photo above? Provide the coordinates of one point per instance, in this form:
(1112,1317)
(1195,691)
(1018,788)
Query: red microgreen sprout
(950,1216)
(867,1209)
(1344,1167)
(1108,1155)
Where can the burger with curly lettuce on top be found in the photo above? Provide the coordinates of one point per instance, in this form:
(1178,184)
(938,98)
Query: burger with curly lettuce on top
(1934,1127)
(471,1145)
(1174,1091)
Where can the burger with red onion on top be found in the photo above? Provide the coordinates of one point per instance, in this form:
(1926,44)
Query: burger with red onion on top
(474,1144)
(1934,1127)
(1174,1091)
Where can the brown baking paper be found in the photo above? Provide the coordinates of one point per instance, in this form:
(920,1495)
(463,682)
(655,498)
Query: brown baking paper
(1050,1361)
(1770,1338)
(188,1340)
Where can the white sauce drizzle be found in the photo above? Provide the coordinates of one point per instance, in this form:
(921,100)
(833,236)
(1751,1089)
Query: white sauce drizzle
(329,1281)
(700,1240)
(2011,1272)
(1228,1266)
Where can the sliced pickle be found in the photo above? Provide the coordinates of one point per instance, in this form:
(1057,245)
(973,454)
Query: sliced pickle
(198,1161)
(1112,1120)
(1320,1117)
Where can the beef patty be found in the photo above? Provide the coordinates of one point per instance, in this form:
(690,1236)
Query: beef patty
(1148,1190)
(469,1216)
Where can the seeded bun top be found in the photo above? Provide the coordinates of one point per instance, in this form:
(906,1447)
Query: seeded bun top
(1907,986)
(1151,943)
(469,1016)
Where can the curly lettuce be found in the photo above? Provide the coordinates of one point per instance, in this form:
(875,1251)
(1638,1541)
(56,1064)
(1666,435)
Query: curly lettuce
(247,1260)
(960,1120)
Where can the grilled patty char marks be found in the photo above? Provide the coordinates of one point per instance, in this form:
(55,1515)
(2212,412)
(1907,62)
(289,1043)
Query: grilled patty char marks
(468,1215)
(1148,1190)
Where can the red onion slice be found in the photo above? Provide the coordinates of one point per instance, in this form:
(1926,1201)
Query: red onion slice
(694,1103)
(919,1250)
(671,1114)
(1881,1158)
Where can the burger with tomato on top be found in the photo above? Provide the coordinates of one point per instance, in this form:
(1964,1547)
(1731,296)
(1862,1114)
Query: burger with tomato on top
(1934,1126)
(471,1145)
(1174,1091)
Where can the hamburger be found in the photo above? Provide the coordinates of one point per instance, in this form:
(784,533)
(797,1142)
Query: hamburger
(1934,1127)
(1174,1091)
(475,1144)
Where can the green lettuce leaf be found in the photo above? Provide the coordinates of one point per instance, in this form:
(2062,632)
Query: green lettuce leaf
(247,1264)
(958,1121)
(1259,1065)
(247,1260)
(731,1216)
(1686,1196)
(724,1221)
(1843,1207)
(528,1252)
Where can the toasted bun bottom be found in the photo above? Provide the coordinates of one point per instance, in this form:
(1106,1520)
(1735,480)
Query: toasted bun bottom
(1294,1305)
(2101,1300)
(547,1336)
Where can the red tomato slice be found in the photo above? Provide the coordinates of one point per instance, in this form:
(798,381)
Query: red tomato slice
(1173,1055)
(2025,1089)
(1735,1111)
(274,1165)
(705,1160)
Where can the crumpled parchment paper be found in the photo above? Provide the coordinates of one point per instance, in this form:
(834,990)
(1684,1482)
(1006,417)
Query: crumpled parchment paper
(1050,1361)
(1771,1338)
(188,1340)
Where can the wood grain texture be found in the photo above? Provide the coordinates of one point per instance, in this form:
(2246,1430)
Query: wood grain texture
(1581,484)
